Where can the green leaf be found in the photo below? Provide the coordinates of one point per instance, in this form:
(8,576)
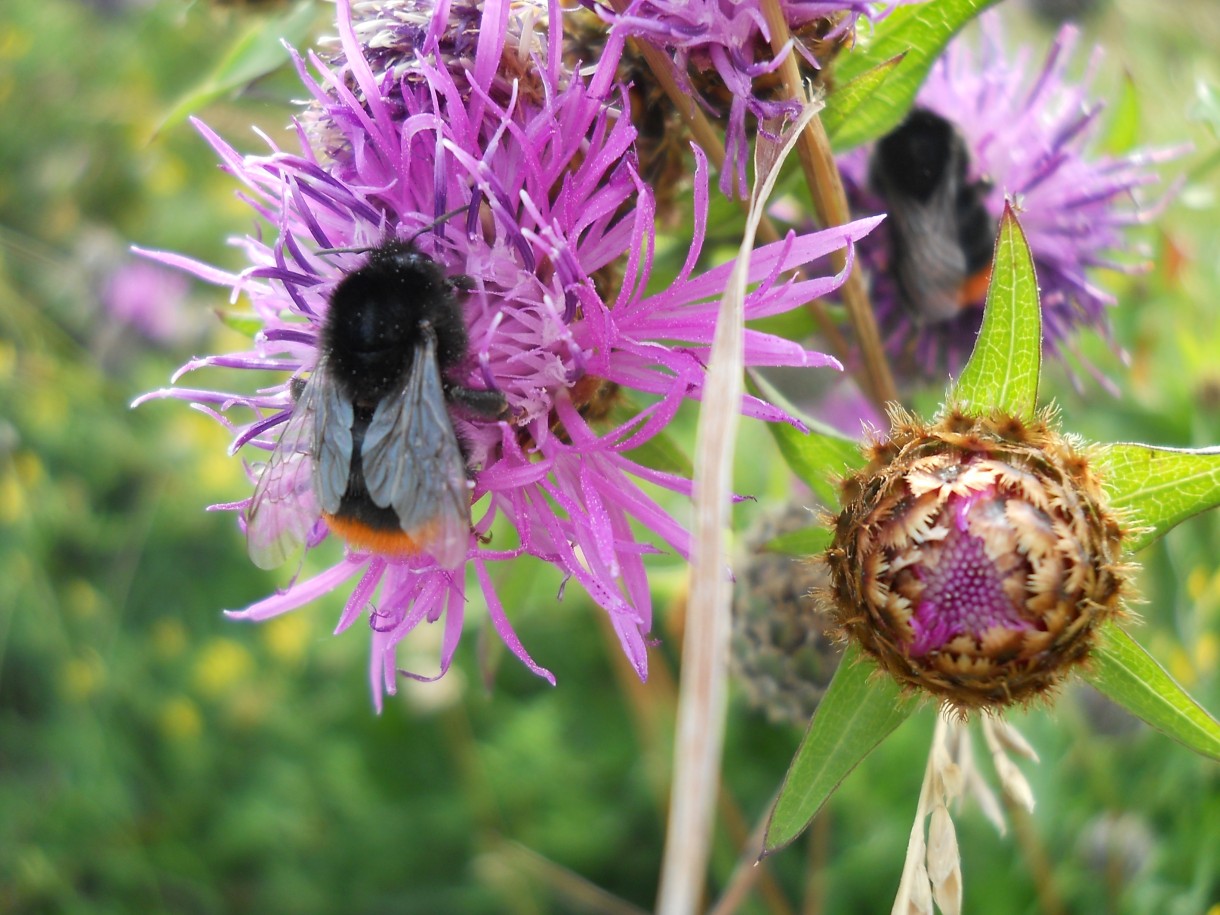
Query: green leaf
(1007,359)
(245,323)
(257,52)
(819,457)
(805,542)
(918,33)
(1122,134)
(1130,676)
(1156,488)
(1205,111)
(842,115)
(855,715)
(1206,107)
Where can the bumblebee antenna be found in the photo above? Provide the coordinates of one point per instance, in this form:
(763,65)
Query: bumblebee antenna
(440,220)
(410,241)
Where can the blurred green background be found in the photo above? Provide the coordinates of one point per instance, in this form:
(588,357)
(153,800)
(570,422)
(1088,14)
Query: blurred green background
(155,757)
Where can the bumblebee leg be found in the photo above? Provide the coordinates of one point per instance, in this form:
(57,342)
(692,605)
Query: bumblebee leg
(483,404)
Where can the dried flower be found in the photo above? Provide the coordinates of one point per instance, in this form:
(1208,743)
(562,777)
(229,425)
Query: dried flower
(975,559)
(933,867)
(782,654)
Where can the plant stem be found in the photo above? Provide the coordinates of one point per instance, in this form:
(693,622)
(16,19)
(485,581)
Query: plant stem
(830,204)
(749,870)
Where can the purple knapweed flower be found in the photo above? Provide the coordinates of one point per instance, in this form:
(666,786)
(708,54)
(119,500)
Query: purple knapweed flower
(1013,132)
(391,34)
(729,42)
(554,242)
(150,299)
(395,35)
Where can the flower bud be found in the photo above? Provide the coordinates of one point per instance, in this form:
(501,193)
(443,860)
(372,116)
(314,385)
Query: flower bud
(975,558)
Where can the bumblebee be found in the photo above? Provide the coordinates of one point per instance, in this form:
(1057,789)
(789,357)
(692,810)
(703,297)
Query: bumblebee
(941,233)
(370,445)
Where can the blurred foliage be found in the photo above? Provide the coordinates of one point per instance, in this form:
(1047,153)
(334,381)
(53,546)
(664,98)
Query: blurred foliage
(154,757)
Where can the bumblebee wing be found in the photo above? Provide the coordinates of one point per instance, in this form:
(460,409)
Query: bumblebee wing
(412,461)
(284,507)
(931,266)
(332,441)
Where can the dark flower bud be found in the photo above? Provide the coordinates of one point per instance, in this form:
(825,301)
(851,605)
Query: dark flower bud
(781,653)
(975,558)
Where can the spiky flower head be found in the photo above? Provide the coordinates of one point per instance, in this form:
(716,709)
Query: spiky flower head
(394,35)
(1021,132)
(550,200)
(975,559)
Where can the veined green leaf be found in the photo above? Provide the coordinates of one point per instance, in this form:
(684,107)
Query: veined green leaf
(843,116)
(918,33)
(805,542)
(1159,487)
(855,715)
(1007,359)
(1130,676)
(257,52)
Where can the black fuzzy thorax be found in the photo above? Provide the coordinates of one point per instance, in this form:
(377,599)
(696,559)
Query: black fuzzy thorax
(379,314)
(917,157)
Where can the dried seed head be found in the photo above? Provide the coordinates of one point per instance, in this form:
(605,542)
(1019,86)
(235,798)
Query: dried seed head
(1117,846)
(974,558)
(781,654)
